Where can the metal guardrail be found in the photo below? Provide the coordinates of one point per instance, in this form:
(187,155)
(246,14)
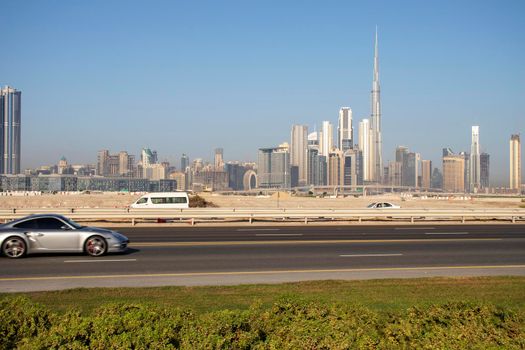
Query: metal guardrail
(194,215)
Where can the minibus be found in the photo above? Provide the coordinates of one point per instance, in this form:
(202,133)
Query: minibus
(164,200)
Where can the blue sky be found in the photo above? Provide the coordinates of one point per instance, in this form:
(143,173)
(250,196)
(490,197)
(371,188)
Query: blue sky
(189,76)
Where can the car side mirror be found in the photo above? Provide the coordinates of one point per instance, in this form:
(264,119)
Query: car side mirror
(65,228)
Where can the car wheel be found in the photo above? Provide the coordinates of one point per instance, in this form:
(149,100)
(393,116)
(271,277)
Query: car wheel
(14,247)
(96,246)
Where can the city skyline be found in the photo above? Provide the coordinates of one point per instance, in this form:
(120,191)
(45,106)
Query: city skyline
(434,89)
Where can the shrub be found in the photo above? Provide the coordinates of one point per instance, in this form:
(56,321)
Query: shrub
(115,327)
(288,324)
(19,319)
(197,201)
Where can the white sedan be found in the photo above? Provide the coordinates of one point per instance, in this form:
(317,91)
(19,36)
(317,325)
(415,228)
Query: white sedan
(382,205)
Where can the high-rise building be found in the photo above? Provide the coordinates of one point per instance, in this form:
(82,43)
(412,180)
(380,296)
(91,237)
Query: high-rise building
(475,173)
(273,168)
(335,168)
(312,159)
(426,174)
(184,162)
(402,158)
(515,162)
(120,164)
(437,179)
(126,164)
(345,129)
(180,177)
(10,136)
(410,174)
(376,152)
(155,171)
(326,138)
(466,170)
(394,172)
(219,159)
(313,166)
(365,147)
(484,170)
(235,173)
(63,167)
(148,157)
(353,174)
(298,156)
(102,162)
(454,173)
(317,168)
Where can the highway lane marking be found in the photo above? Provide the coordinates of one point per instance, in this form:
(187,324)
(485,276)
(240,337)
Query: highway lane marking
(257,229)
(277,234)
(97,261)
(446,233)
(269,272)
(414,228)
(335,241)
(367,255)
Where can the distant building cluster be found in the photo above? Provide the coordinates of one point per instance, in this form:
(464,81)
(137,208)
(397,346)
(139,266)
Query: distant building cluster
(308,159)
(74,183)
(317,159)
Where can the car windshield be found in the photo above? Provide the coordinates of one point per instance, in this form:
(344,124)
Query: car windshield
(74,224)
(371,205)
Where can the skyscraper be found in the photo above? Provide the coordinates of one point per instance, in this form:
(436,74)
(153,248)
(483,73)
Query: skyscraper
(299,144)
(376,151)
(394,173)
(411,173)
(126,163)
(454,173)
(426,174)
(475,174)
(345,129)
(353,174)
(365,147)
(219,159)
(148,157)
(102,162)
(515,162)
(10,118)
(273,168)
(484,170)
(326,138)
(184,162)
(402,158)
(335,164)
(316,163)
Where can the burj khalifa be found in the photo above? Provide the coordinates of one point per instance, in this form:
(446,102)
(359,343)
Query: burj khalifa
(376,151)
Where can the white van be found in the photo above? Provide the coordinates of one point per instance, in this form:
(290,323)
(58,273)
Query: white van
(167,200)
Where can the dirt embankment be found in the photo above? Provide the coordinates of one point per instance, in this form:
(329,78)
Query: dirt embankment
(122,200)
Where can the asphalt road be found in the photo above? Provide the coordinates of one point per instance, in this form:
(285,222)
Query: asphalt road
(270,254)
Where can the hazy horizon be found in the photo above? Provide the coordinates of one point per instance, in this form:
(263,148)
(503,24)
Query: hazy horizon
(179,77)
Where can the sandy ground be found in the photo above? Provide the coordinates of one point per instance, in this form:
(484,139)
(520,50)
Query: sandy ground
(119,200)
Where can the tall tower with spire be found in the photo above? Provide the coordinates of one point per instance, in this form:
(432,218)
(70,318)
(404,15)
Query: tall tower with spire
(376,152)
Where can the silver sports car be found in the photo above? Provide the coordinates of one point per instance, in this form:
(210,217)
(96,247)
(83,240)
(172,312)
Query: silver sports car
(56,233)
